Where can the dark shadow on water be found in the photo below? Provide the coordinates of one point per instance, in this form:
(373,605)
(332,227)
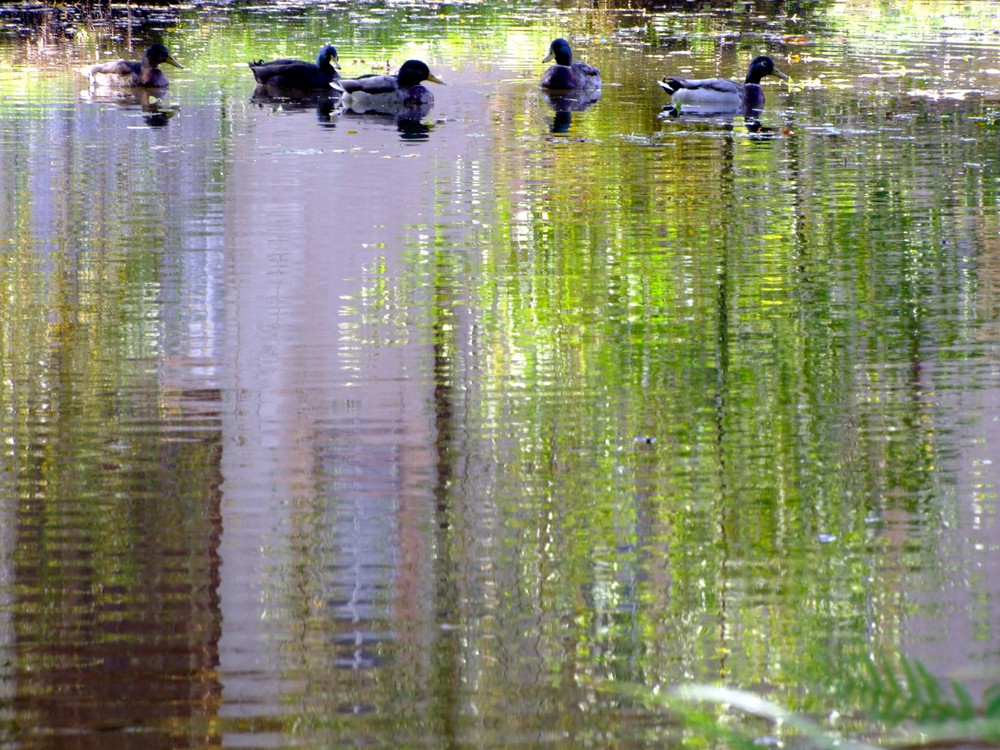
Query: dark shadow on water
(561,122)
(408,120)
(413,130)
(565,104)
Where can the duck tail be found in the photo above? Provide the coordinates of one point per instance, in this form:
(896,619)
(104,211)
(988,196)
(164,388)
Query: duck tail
(88,73)
(670,85)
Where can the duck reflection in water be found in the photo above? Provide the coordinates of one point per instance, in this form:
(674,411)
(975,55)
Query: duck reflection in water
(324,104)
(156,112)
(409,121)
(412,127)
(761,131)
(726,121)
(564,104)
(751,121)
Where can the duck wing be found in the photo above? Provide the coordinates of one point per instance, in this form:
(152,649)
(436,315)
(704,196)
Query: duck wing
(370,84)
(116,68)
(719,85)
(279,70)
(262,64)
(589,75)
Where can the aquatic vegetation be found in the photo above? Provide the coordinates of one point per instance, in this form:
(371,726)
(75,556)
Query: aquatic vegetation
(887,696)
(898,691)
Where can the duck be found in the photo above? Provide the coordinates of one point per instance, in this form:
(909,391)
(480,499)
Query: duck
(389,93)
(133,73)
(719,95)
(299,74)
(567,75)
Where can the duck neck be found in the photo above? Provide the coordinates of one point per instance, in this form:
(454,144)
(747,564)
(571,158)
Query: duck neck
(150,76)
(754,75)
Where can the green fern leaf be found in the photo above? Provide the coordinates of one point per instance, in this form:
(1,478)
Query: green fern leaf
(991,698)
(913,683)
(966,709)
(939,705)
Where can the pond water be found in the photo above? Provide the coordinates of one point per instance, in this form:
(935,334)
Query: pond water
(321,429)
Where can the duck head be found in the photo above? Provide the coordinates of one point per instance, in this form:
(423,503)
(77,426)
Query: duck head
(560,52)
(413,72)
(157,54)
(328,57)
(763,66)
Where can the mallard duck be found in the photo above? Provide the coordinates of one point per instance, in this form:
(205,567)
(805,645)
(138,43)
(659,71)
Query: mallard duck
(133,73)
(389,93)
(299,74)
(720,94)
(567,75)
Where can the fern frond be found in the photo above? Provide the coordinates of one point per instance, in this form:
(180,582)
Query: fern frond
(966,708)
(991,700)
(900,690)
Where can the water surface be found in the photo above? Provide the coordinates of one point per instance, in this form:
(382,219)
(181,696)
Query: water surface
(320,430)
